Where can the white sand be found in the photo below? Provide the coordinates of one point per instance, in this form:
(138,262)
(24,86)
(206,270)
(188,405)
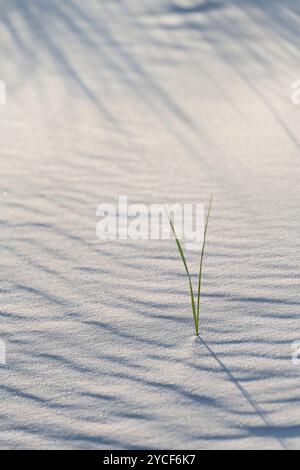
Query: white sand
(159,103)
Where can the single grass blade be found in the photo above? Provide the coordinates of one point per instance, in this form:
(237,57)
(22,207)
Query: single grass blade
(200,268)
(187,271)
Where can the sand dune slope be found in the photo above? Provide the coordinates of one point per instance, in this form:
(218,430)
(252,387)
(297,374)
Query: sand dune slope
(159,101)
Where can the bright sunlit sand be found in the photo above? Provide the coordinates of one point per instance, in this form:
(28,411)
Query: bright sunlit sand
(162,101)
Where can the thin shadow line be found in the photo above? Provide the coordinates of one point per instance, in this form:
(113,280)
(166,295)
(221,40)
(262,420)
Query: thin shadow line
(267,422)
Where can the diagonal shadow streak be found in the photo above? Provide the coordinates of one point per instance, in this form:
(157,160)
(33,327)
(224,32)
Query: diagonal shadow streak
(267,422)
(42,37)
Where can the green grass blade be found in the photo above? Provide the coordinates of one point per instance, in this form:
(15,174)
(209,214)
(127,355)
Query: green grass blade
(187,271)
(201,264)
